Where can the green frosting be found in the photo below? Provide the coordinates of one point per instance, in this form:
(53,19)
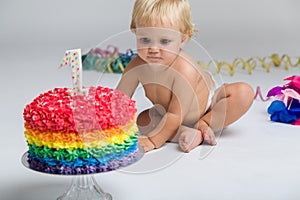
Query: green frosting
(84,153)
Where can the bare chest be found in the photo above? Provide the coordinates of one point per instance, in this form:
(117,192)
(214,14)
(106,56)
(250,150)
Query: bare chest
(158,87)
(158,94)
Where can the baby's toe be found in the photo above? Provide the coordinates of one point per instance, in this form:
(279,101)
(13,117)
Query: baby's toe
(183,144)
(209,137)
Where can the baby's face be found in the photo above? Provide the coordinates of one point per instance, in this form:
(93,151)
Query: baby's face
(158,44)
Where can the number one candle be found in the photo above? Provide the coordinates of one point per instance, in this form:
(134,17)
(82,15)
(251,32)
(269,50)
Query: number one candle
(72,59)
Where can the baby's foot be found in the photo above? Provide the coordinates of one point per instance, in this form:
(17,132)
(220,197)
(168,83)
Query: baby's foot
(189,139)
(207,133)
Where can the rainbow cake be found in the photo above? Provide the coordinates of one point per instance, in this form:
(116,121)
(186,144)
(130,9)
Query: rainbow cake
(81,134)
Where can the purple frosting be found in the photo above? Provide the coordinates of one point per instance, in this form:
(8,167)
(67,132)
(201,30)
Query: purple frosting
(112,165)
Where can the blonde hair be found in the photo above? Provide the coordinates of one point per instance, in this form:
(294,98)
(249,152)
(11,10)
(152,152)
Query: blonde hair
(163,11)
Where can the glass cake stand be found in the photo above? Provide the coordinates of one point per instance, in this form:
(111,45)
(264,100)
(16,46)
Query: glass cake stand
(83,187)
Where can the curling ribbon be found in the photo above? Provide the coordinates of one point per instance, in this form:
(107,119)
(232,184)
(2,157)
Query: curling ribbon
(107,60)
(259,94)
(251,63)
(116,62)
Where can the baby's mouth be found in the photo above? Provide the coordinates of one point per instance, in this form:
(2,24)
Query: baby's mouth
(154,58)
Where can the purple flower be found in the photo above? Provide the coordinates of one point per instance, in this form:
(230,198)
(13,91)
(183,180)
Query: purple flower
(275,91)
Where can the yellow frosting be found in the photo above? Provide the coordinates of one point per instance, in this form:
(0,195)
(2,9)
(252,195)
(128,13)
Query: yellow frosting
(74,140)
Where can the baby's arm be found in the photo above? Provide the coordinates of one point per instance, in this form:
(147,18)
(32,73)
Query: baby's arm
(146,143)
(165,130)
(129,80)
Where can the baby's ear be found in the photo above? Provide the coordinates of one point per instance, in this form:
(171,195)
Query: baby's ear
(133,30)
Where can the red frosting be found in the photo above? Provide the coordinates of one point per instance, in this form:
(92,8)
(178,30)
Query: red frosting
(57,111)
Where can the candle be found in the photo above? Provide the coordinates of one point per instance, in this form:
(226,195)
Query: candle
(72,59)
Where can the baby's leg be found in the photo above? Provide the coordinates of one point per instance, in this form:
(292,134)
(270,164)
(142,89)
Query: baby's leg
(229,103)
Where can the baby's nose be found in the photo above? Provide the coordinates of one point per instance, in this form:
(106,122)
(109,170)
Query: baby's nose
(153,49)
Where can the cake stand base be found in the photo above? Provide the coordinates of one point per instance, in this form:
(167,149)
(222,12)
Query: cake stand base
(84,187)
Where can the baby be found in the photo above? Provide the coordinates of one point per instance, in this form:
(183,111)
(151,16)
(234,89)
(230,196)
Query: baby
(187,108)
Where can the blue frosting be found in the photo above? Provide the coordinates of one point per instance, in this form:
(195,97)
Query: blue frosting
(91,161)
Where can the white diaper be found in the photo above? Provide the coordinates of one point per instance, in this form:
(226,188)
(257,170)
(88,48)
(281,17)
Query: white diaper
(209,100)
(211,92)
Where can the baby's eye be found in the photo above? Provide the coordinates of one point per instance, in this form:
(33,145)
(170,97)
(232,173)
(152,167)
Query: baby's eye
(145,40)
(165,41)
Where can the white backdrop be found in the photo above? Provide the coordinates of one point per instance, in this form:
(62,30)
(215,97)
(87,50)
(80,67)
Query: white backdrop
(258,27)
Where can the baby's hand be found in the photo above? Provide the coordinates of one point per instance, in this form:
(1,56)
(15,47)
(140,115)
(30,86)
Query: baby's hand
(146,143)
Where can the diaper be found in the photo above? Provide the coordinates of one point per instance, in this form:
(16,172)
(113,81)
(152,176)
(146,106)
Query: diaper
(209,100)
(211,92)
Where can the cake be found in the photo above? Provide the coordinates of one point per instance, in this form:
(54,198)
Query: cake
(81,134)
